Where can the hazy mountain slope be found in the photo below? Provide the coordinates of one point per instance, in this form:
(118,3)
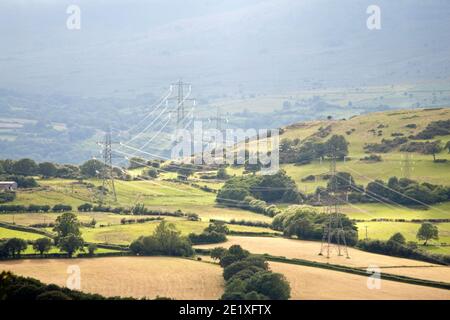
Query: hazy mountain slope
(220,46)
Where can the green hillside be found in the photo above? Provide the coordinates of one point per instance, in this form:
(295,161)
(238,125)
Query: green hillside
(359,131)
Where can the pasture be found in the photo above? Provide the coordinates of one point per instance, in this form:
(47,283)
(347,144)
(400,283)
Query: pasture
(368,211)
(163,195)
(8,233)
(384,230)
(125,234)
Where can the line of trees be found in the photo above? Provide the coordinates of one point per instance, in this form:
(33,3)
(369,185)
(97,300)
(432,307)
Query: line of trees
(296,151)
(13,247)
(13,287)
(34,208)
(402,191)
(408,192)
(398,246)
(269,188)
(28,168)
(307,224)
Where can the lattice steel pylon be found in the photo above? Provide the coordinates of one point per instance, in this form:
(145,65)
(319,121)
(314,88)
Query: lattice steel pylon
(333,232)
(181,97)
(107,173)
(407,165)
(219,119)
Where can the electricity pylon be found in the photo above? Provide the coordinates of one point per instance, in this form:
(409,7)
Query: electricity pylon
(107,173)
(334,229)
(180,99)
(219,119)
(406,165)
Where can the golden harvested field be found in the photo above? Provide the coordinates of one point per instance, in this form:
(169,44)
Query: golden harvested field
(130,276)
(309,250)
(435,273)
(315,284)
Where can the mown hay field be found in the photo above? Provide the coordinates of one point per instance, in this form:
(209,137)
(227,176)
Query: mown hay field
(308,250)
(129,276)
(309,283)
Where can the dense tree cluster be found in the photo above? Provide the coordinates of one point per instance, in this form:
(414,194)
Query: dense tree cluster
(12,247)
(14,287)
(7,196)
(28,168)
(295,151)
(306,223)
(216,232)
(433,129)
(165,240)
(427,147)
(407,191)
(42,245)
(248,277)
(386,145)
(397,246)
(68,238)
(270,188)
(22,181)
(402,191)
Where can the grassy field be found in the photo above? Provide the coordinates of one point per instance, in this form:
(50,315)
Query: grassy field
(424,169)
(309,283)
(27,219)
(30,250)
(8,233)
(109,229)
(364,211)
(154,194)
(124,234)
(384,230)
(392,122)
(130,276)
